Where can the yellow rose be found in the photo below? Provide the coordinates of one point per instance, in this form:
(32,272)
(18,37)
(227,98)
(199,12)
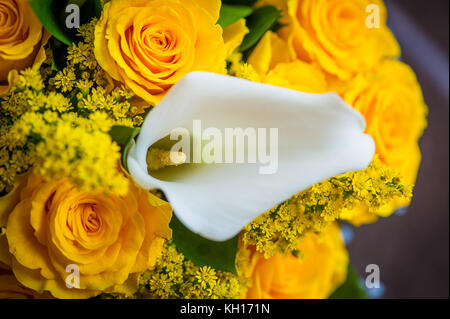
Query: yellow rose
(111,239)
(337,34)
(151,44)
(320,270)
(233,36)
(299,76)
(271,61)
(22,38)
(391,101)
(270,51)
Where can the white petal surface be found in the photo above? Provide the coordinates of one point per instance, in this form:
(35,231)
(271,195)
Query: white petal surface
(319,136)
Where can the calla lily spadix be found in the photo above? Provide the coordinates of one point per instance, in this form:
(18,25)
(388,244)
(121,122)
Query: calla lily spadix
(319,136)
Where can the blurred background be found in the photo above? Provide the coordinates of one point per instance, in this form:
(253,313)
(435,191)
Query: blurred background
(412,247)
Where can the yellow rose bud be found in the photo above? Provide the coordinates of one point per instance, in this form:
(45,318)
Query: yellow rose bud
(151,44)
(320,269)
(233,36)
(342,36)
(299,76)
(109,240)
(271,61)
(22,38)
(270,51)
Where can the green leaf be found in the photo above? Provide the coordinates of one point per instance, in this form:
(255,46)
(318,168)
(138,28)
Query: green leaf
(240,2)
(352,287)
(59,50)
(231,14)
(52,14)
(45,11)
(98,8)
(89,10)
(259,22)
(204,252)
(79,3)
(54,66)
(123,136)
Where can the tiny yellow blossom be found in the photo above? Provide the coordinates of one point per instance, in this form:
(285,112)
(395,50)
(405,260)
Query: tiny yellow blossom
(65,80)
(280,230)
(175,277)
(206,277)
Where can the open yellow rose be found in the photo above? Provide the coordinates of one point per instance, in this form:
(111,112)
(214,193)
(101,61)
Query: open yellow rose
(342,36)
(315,275)
(150,44)
(391,101)
(110,239)
(22,38)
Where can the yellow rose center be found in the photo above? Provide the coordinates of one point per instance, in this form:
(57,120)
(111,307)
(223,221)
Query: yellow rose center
(159,41)
(83,221)
(90,220)
(346,23)
(9,16)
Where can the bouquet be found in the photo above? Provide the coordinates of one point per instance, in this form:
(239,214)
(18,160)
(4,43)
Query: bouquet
(198,148)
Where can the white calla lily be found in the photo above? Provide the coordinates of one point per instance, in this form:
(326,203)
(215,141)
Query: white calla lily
(319,136)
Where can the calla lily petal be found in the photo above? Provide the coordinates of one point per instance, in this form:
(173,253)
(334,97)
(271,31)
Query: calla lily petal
(319,136)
